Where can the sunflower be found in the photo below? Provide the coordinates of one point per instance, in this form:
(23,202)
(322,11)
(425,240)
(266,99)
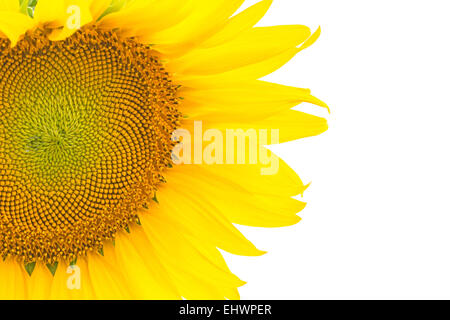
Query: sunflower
(92,205)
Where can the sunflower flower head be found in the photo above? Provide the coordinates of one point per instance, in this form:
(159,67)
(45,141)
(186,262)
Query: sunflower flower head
(93,203)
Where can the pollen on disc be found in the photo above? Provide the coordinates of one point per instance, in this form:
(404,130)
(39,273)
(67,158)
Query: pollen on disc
(85,135)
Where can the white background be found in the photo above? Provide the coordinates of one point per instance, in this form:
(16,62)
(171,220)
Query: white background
(377,224)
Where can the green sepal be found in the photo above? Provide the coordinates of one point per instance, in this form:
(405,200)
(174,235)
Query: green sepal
(52,267)
(27,7)
(101,251)
(138,221)
(29,267)
(127,229)
(73,262)
(115,6)
(155,199)
(23,6)
(145,206)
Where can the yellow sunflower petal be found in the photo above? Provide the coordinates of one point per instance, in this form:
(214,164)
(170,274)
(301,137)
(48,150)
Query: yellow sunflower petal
(206,18)
(67,279)
(66,17)
(291,125)
(144,273)
(201,275)
(12,279)
(223,278)
(38,285)
(283,182)
(203,220)
(98,7)
(14,25)
(75,9)
(134,18)
(248,72)
(10,5)
(250,100)
(312,39)
(255,45)
(248,177)
(249,206)
(50,11)
(238,24)
(107,281)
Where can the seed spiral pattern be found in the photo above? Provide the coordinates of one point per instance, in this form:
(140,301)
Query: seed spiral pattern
(85,136)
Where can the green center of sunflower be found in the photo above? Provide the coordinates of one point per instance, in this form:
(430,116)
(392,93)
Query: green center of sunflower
(85,135)
(55,136)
